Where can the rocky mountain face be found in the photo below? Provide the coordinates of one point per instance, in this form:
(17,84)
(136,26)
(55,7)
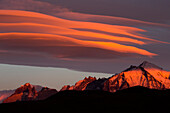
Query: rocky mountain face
(28,92)
(45,93)
(146,74)
(6,93)
(80,85)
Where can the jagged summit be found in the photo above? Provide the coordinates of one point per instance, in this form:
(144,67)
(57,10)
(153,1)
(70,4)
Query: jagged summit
(80,85)
(26,88)
(28,92)
(145,65)
(149,65)
(24,93)
(155,71)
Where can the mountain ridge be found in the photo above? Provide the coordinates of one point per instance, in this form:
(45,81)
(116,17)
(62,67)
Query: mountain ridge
(146,75)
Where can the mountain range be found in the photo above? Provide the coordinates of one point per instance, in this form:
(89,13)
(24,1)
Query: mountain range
(146,75)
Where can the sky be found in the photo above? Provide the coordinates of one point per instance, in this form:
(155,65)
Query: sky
(54,43)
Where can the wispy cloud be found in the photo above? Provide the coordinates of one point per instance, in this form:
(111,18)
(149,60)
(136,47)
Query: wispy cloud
(31,5)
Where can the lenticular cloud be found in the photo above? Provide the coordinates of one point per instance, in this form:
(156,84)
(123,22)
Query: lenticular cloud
(29,36)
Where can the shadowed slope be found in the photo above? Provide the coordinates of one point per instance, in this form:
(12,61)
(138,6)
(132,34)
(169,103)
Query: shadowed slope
(136,99)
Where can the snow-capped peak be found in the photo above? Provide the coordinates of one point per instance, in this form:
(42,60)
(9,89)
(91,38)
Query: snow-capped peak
(146,74)
(148,65)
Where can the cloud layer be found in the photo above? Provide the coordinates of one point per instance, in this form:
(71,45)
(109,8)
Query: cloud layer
(35,30)
(57,37)
(146,10)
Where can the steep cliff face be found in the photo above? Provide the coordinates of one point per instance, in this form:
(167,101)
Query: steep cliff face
(80,85)
(26,92)
(146,75)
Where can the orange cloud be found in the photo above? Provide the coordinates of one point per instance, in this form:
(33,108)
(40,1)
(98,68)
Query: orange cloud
(32,17)
(39,35)
(37,39)
(49,29)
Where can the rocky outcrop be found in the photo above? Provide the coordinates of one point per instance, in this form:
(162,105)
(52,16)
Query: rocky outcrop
(26,92)
(80,85)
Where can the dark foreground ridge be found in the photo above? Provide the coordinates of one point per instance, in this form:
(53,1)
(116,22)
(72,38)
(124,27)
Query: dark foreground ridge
(132,100)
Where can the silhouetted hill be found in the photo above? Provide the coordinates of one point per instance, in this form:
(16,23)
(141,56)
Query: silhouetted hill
(132,100)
